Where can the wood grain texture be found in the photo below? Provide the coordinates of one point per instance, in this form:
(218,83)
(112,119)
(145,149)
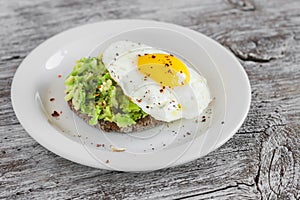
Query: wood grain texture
(262,161)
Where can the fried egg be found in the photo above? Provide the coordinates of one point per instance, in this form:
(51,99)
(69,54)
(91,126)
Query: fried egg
(161,84)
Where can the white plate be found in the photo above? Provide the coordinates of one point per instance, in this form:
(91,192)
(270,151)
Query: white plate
(38,79)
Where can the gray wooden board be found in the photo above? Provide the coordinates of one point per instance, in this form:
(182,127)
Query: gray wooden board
(261,161)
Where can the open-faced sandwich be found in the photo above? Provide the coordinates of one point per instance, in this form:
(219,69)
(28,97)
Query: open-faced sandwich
(132,86)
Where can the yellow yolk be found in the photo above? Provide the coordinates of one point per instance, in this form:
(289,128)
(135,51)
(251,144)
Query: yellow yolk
(166,70)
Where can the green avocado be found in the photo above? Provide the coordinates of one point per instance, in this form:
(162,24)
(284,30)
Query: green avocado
(93,92)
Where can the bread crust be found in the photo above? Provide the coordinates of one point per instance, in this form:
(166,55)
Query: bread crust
(142,124)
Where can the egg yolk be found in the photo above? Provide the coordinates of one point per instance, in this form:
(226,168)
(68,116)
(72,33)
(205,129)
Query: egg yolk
(167,70)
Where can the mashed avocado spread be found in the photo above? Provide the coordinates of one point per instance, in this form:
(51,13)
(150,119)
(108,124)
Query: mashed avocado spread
(93,92)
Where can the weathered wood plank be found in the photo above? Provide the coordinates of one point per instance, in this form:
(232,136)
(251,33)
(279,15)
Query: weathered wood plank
(261,161)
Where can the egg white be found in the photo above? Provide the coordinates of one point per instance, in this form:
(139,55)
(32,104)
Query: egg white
(187,101)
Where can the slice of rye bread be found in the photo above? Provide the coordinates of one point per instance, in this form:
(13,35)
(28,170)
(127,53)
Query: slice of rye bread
(142,124)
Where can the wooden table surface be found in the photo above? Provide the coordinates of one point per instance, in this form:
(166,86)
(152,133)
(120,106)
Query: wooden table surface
(261,161)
